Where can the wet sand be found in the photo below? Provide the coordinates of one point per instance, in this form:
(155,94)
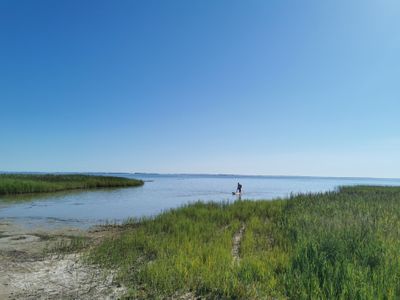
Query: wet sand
(28,270)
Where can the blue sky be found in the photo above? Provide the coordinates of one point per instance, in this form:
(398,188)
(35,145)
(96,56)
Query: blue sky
(248,87)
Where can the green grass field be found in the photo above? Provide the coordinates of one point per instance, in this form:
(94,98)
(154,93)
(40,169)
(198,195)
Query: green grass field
(11,184)
(336,245)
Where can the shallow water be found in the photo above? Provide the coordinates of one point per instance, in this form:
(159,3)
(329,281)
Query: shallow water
(83,209)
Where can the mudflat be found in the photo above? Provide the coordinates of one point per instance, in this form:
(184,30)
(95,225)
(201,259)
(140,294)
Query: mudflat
(29,269)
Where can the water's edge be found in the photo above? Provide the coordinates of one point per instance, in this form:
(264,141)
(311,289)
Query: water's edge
(83,209)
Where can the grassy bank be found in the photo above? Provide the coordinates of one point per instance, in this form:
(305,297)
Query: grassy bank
(337,245)
(27,183)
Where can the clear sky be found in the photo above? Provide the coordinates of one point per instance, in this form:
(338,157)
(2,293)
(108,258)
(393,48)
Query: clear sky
(245,87)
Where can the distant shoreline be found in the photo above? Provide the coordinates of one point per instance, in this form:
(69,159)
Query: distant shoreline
(199,175)
(256,176)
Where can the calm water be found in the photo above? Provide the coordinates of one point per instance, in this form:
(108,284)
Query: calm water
(160,192)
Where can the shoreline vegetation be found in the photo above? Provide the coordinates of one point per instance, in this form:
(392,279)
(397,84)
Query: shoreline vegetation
(335,245)
(14,184)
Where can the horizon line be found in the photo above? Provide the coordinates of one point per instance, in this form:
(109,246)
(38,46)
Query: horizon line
(199,174)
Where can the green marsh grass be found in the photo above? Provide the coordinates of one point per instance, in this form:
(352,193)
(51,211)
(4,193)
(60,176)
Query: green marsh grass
(11,184)
(335,245)
(65,244)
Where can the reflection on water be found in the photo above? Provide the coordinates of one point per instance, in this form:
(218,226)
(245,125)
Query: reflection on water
(15,199)
(160,192)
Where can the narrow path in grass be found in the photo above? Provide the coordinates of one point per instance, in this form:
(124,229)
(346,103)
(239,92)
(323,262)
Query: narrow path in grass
(237,238)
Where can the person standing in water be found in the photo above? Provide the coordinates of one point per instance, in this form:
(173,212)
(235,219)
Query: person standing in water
(239,188)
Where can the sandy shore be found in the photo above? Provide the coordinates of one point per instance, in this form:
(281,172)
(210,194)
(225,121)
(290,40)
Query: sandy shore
(29,271)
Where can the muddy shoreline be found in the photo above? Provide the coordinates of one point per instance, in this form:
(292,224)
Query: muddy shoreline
(31,269)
